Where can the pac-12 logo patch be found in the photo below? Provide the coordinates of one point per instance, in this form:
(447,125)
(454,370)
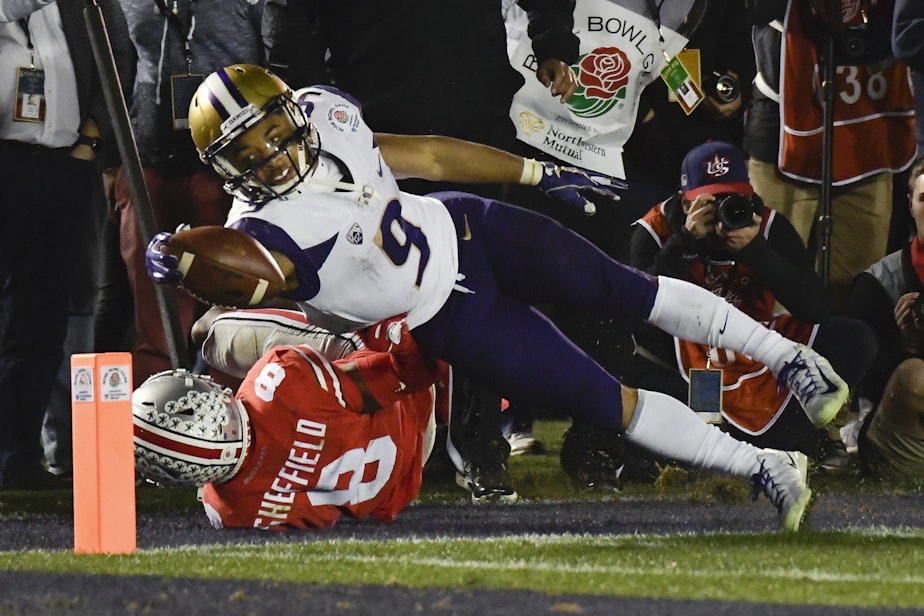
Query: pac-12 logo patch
(343,117)
(355,235)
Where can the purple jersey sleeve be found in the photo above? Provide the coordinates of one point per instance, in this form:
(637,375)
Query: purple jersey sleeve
(307,261)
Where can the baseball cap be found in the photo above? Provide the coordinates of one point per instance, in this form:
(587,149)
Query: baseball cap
(714,167)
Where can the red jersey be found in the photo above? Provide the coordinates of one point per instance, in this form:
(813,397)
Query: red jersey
(314,456)
(750,398)
(873,112)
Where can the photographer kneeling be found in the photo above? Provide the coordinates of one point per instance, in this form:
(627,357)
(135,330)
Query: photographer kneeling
(717,233)
(889,296)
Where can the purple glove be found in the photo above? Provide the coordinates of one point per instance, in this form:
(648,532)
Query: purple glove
(163,268)
(567,183)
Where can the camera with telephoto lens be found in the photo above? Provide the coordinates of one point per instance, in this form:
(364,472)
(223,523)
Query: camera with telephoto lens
(735,211)
(722,87)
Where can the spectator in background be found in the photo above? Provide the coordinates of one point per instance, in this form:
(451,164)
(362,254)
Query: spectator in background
(873,137)
(84,301)
(52,153)
(627,121)
(889,296)
(432,68)
(717,233)
(178,43)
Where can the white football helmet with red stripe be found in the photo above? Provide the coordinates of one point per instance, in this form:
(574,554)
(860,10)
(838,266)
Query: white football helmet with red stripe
(189,430)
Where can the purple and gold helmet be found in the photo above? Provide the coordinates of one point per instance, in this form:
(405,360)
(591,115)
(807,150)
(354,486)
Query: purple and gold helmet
(246,124)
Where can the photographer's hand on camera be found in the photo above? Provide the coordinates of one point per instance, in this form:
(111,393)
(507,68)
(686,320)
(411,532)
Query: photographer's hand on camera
(701,216)
(703,221)
(736,239)
(909,316)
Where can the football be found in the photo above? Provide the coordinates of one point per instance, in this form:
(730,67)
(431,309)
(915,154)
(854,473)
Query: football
(225,267)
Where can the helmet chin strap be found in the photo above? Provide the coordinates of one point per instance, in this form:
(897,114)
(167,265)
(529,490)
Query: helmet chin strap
(364,190)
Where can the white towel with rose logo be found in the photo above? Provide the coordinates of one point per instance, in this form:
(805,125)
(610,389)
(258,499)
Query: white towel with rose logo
(620,54)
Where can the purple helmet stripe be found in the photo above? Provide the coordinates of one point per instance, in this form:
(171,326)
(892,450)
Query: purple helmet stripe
(232,89)
(216,104)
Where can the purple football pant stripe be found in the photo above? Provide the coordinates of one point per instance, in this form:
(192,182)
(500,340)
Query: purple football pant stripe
(516,258)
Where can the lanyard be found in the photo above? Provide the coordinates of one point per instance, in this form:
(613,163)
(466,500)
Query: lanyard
(24,24)
(185,30)
(655,10)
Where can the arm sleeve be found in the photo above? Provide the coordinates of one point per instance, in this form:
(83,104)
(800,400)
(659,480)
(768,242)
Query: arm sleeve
(674,259)
(11,10)
(388,379)
(551,29)
(908,33)
(870,303)
(791,278)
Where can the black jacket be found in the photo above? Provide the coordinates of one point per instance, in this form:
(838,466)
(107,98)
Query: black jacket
(90,95)
(416,67)
(721,31)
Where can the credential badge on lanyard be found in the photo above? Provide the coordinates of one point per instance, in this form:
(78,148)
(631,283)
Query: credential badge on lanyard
(30,86)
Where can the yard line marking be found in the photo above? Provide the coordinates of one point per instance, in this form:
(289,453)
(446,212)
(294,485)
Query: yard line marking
(520,564)
(341,546)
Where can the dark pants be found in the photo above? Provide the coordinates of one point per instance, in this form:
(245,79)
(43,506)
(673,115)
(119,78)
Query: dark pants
(513,260)
(46,193)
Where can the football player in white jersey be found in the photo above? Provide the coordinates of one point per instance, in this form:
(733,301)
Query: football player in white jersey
(317,187)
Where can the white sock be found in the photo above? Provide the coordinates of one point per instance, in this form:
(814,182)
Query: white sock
(668,427)
(693,313)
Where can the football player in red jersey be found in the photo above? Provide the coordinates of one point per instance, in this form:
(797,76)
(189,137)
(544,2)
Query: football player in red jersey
(304,441)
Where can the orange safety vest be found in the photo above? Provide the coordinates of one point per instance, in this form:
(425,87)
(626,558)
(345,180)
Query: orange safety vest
(750,400)
(873,112)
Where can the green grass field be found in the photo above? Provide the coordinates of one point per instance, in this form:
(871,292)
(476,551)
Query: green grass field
(876,568)
(870,569)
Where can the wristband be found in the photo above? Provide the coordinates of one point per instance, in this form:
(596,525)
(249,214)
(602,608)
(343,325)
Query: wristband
(532,172)
(94,143)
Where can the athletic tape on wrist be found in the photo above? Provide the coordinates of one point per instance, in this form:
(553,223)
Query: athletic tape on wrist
(532,172)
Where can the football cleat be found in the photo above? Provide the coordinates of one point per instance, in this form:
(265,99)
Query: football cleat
(487,483)
(593,457)
(815,384)
(782,476)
